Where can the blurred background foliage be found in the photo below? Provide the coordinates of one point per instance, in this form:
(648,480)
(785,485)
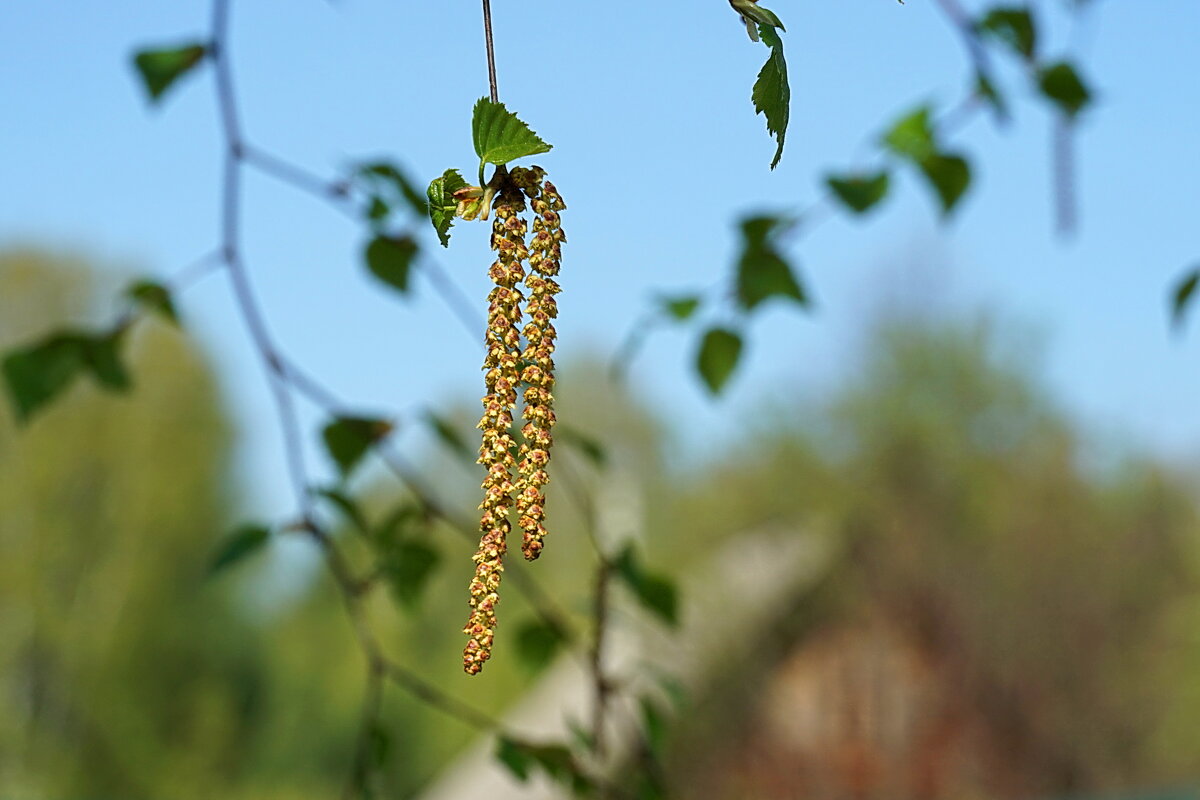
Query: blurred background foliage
(1012,610)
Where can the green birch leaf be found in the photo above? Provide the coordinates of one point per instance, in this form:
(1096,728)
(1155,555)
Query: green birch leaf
(408,567)
(501,136)
(859,193)
(347,439)
(102,354)
(762,271)
(160,68)
(393,177)
(718,357)
(38,374)
(389,258)
(236,546)
(912,135)
(350,509)
(771,94)
(537,643)
(442,203)
(680,308)
(654,591)
(758,14)
(1182,297)
(1061,84)
(1012,26)
(949,175)
(586,445)
(154,297)
(450,437)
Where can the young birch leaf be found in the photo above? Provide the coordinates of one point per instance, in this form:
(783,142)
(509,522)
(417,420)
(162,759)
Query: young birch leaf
(154,297)
(949,175)
(389,258)
(718,357)
(859,193)
(589,447)
(1182,296)
(161,68)
(1061,84)
(912,135)
(36,375)
(347,439)
(1014,27)
(987,91)
(102,356)
(500,136)
(555,760)
(680,308)
(756,13)
(391,175)
(242,542)
(771,94)
(442,203)
(350,509)
(763,272)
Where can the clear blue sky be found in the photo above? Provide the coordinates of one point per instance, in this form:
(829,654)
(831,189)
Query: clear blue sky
(647,101)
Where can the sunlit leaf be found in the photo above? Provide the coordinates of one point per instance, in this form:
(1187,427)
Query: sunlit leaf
(160,68)
(718,357)
(500,136)
(680,308)
(912,135)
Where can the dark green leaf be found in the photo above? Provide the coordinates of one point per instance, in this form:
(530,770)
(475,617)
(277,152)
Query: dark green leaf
(390,258)
(378,209)
(500,136)
(949,175)
(986,89)
(242,542)
(859,193)
(348,507)
(102,354)
(36,375)
(154,297)
(1061,84)
(1182,296)
(450,437)
(401,186)
(538,642)
(347,439)
(442,204)
(161,68)
(404,520)
(771,95)
(379,746)
(912,135)
(656,592)
(762,271)
(680,308)
(718,357)
(555,760)
(655,726)
(1013,26)
(408,567)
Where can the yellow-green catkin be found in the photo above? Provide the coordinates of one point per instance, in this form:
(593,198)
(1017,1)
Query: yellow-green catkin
(503,375)
(537,372)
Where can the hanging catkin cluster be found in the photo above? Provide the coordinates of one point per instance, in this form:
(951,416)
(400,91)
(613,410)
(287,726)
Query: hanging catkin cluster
(509,366)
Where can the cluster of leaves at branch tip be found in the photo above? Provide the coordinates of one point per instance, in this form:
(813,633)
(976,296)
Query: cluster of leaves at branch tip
(913,139)
(771,95)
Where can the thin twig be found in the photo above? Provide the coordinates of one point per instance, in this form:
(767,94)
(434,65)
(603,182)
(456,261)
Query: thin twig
(491,50)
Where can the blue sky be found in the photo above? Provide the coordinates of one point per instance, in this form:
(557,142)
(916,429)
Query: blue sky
(657,151)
